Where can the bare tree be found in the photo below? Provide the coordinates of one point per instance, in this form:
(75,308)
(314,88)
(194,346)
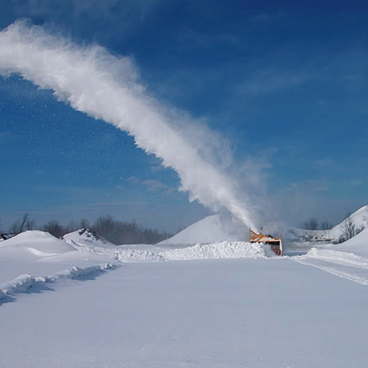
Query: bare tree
(348,227)
(54,228)
(25,224)
(121,232)
(311,224)
(73,225)
(84,224)
(325,225)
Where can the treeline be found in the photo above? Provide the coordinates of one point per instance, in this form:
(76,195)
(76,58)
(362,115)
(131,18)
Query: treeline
(313,224)
(115,231)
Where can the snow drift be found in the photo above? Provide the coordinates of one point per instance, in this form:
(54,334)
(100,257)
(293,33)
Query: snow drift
(219,250)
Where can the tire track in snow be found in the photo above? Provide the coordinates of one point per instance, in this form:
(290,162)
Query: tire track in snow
(345,265)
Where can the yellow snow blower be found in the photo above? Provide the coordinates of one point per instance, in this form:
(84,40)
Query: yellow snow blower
(274,243)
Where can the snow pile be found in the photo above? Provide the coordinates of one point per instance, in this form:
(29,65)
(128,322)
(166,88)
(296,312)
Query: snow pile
(34,243)
(224,249)
(138,256)
(23,283)
(208,230)
(85,238)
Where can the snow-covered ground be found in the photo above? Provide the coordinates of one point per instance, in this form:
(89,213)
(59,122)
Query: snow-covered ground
(81,302)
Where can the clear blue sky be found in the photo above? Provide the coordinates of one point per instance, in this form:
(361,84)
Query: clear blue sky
(285,81)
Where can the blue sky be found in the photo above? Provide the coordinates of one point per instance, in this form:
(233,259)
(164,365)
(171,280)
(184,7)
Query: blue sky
(286,84)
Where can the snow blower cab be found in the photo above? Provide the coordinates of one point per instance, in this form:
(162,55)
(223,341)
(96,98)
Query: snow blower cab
(274,243)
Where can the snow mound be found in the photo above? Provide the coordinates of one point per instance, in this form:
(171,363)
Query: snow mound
(224,249)
(85,238)
(219,250)
(35,243)
(23,283)
(208,230)
(138,256)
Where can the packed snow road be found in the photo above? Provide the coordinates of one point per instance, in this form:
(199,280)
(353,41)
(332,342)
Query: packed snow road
(217,313)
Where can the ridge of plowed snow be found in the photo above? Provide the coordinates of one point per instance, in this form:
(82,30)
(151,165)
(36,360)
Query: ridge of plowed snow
(208,230)
(23,283)
(224,249)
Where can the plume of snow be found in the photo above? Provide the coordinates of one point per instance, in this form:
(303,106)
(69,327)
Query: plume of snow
(107,87)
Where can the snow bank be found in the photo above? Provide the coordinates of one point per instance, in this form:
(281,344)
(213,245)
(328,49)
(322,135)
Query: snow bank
(199,251)
(224,249)
(208,230)
(23,283)
(139,256)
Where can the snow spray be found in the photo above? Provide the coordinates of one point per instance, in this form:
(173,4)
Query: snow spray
(107,87)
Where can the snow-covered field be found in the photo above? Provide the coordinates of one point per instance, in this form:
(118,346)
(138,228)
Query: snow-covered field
(81,302)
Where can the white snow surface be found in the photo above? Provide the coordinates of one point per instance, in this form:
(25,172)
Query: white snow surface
(222,304)
(208,314)
(348,260)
